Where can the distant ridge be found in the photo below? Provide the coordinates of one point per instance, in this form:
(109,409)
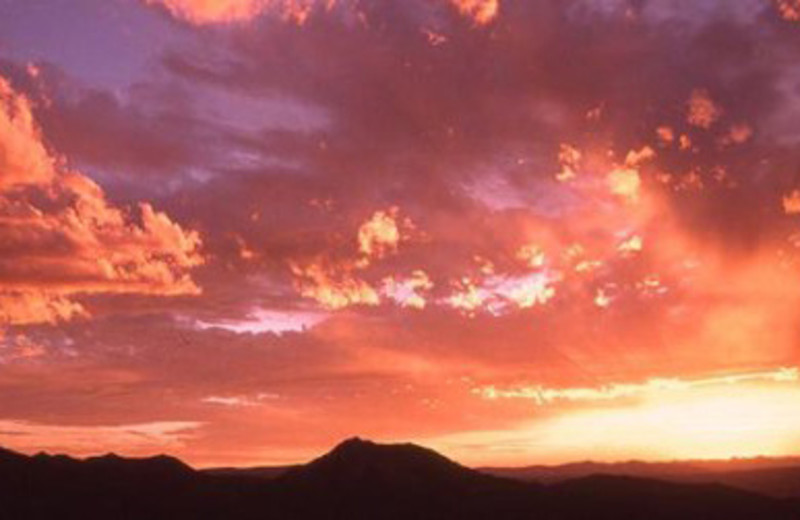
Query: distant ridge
(357,479)
(776,477)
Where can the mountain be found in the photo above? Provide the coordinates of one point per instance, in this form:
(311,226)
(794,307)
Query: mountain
(779,477)
(560,473)
(774,482)
(357,461)
(358,479)
(361,479)
(261,472)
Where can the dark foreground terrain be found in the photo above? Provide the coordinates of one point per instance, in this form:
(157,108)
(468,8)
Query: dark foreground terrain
(356,480)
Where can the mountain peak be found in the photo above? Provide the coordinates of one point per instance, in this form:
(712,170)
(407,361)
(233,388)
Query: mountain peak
(154,464)
(362,462)
(354,443)
(356,447)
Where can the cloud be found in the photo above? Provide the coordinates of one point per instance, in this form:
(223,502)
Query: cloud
(152,437)
(570,158)
(62,238)
(616,391)
(20,348)
(25,159)
(481,11)
(500,294)
(336,284)
(408,291)
(788,9)
(238,401)
(334,287)
(703,112)
(632,245)
(577,223)
(260,321)
(25,307)
(231,11)
(379,235)
(202,12)
(791,203)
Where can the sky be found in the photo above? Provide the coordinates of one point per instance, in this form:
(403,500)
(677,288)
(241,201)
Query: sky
(515,231)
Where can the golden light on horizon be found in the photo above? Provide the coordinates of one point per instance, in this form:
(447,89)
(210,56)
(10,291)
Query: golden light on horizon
(703,422)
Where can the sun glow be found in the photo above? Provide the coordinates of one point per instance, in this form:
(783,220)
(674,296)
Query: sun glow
(703,422)
(710,423)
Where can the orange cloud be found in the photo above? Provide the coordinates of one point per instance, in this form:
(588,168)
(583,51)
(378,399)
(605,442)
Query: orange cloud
(468,298)
(407,291)
(239,400)
(528,291)
(570,159)
(703,112)
(532,255)
(499,294)
(625,181)
(542,395)
(791,203)
(333,284)
(636,157)
(665,134)
(498,289)
(380,235)
(632,245)
(601,299)
(738,134)
(24,160)
(332,289)
(206,12)
(481,12)
(202,12)
(65,239)
(245,252)
(29,307)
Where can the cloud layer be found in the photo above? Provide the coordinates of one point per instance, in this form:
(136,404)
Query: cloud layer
(402,205)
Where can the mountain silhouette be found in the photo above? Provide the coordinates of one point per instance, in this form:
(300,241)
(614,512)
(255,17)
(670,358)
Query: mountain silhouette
(779,477)
(358,479)
(361,462)
(362,479)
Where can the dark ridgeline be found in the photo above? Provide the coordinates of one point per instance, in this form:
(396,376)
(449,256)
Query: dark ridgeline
(778,478)
(356,480)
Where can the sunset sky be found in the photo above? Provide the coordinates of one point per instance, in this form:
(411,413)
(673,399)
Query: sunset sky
(515,231)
